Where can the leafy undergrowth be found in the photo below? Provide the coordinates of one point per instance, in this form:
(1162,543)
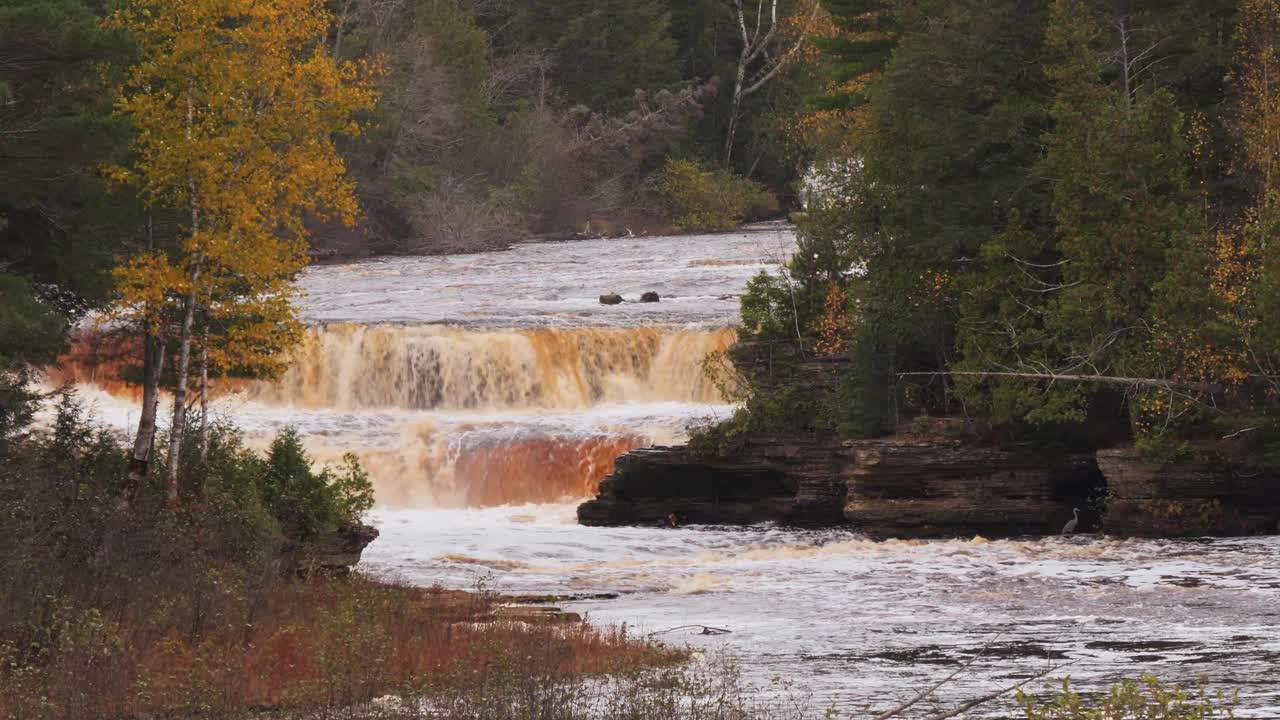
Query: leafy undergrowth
(116,603)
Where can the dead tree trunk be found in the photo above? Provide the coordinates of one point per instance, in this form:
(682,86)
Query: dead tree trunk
(1054,377)
(759,44)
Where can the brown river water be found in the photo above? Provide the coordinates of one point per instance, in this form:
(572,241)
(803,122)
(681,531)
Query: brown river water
(489,393)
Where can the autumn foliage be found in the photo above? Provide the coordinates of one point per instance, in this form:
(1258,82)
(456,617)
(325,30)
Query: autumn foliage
(236,108)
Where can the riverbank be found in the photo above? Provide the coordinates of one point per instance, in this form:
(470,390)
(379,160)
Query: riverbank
(326,643)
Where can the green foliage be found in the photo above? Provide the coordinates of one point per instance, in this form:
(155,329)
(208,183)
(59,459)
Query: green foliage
(31,332)
(1018,194)
(768,308)
(1163,447)
(352,489)
(696,198)
(1144,699)
(862,47)
(604,50)
(300,499)
(308,503)
(59,226)
(786,409)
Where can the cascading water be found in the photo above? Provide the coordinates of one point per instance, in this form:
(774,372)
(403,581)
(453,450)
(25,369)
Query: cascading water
(429,367)
(493,379)
(480,389)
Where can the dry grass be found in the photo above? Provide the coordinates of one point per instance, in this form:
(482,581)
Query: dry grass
(321,644)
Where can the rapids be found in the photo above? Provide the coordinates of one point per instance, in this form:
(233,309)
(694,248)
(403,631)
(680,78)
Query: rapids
(488,393)
(860,623)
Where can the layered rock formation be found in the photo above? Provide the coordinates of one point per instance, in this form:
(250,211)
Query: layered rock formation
(924,488)
(943,488)
(785,480)
(1171,501)
(893,487)
(333,554)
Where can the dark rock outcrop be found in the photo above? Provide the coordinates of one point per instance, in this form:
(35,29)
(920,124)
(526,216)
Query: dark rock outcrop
(790,480)
(1171,501)
(611,299)
(891,488)
(923,488)
(944,488)
(333,554)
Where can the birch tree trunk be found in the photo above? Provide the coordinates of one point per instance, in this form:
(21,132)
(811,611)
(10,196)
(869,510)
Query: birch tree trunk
(153,349)
(178,427)
(758,45)
(144,440)
(204,396)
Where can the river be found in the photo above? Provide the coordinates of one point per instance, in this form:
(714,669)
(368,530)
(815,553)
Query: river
(489,393)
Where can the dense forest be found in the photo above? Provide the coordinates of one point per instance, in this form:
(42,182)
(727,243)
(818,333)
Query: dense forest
(1036,223)
(169,168)
(1050,221)
(370,127)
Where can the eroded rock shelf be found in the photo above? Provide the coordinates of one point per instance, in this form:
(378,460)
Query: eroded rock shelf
(923,488)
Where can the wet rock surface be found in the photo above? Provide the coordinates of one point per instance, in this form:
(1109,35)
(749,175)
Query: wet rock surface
(932,488)
(945,488)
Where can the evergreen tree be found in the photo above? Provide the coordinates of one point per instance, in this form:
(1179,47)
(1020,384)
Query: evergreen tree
(604,50)
(952,153)
(58,225)
(1083,303)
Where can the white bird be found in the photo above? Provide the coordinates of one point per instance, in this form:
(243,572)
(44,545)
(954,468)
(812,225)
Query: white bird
(1070,527)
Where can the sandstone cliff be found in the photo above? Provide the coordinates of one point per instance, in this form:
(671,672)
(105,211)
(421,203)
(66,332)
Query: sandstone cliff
(1169,501)
(892,487)
(333,554)
(922,488)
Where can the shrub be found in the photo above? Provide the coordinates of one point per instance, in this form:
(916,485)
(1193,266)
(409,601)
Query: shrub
(1130,700)
(352,489)
(307,503)
(696,198)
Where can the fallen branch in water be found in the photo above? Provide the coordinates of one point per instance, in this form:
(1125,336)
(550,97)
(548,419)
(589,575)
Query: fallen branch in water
(969,705)
(993,695)
(930,690)
(706,630)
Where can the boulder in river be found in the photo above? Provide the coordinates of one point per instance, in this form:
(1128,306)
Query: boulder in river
(649,297)
(611,299)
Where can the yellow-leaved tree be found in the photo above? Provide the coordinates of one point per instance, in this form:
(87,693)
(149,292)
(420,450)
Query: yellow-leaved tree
(236,108)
